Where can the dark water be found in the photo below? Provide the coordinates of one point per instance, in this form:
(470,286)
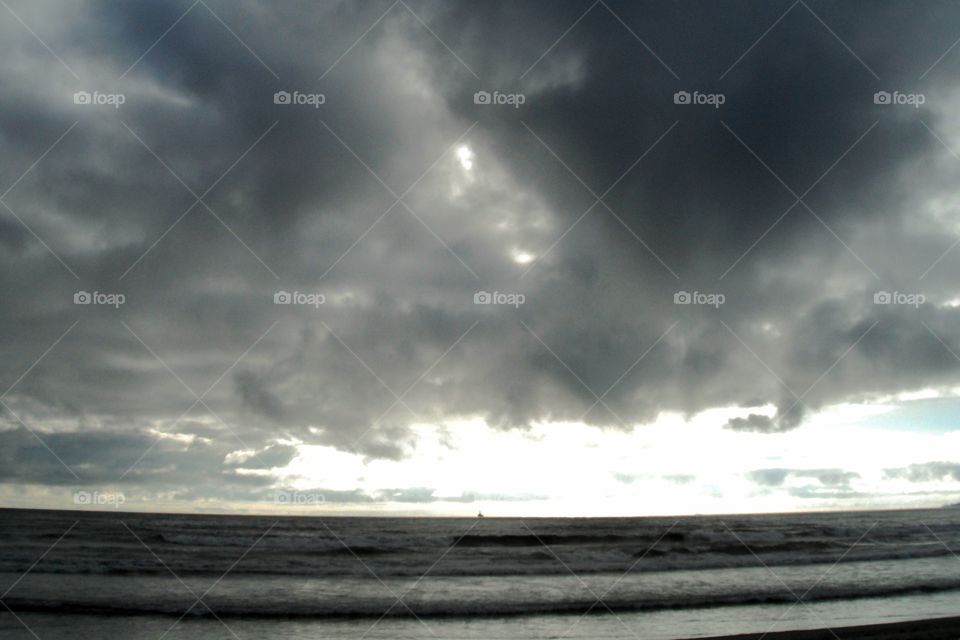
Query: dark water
(80,572)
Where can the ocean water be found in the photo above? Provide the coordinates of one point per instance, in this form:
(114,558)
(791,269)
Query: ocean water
(104,575)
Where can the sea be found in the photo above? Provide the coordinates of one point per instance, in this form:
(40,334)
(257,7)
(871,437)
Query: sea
(79,574)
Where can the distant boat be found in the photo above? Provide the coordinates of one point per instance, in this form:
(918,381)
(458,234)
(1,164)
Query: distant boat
(480,514)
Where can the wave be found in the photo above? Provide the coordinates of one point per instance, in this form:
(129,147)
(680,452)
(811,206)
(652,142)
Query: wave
(398,547)
(336,559)
(371,608)
(532,540)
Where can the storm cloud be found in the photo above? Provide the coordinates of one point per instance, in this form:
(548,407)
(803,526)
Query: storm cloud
(303,219)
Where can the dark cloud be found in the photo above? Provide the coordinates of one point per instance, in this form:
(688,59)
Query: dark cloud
(753,422)
(293,201)
(98,457)
(256,396)
(789,415)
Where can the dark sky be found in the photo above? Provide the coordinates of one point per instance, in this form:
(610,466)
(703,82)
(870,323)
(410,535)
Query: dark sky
(599,198)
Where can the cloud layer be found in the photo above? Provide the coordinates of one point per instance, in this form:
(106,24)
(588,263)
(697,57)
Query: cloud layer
(802,201)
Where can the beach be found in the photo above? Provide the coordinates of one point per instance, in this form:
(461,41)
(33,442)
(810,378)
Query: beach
(52,627)
(935,629)
(93,574)
(428,319)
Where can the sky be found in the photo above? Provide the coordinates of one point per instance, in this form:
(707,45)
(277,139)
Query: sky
(422,257)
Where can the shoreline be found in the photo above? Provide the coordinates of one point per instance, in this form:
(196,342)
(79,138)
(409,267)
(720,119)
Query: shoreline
(926,629)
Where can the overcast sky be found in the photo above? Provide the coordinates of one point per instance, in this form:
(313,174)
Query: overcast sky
(562,257)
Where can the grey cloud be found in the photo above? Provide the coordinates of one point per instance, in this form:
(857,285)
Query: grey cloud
(798,321)
(832,477)
(108,457)
(753,422)
(272,456)
(256,396)
(825,477)
(926,472)
(769,477)
(789,415)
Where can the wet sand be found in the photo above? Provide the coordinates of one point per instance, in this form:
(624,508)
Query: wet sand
(935,629)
